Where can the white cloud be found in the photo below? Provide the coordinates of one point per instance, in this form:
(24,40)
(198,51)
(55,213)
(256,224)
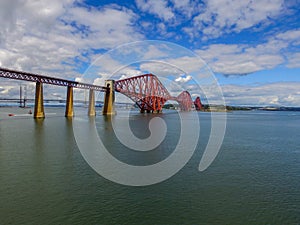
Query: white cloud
(171,12)
(186,7)
(243,59)
(183,79)
(43,34)
(160,68)
(222,16)
(277,94)
(159,8)
(130,72)
(188,64)
(154,52)
(79,79)
(105,28)
(294,60)
(290,36)
(231,59)
(99,81)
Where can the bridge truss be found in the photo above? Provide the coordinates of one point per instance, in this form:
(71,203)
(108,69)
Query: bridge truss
(18,75)
(150,94)
(198,104)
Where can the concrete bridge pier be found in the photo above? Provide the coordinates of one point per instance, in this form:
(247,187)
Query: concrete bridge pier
(109,98)
(92,111)
(69,103)
(156,111)
(39,101)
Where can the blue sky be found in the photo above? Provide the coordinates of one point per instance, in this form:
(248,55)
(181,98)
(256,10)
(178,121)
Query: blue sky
(253,47)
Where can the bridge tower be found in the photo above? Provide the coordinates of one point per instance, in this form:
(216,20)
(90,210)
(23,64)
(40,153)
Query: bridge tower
(198,104)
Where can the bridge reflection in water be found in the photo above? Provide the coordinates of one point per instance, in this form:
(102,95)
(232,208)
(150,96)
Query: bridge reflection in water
(146,91)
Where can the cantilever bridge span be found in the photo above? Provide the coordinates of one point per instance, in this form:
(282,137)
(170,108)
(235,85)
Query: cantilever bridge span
(150,94)
(145,90)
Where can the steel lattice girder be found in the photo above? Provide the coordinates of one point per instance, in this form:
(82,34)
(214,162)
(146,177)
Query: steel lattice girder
(185,101)
(145,90)
(150,94)
(19,75)
(198,104)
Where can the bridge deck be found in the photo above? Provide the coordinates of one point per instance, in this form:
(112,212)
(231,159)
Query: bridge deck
(19,75)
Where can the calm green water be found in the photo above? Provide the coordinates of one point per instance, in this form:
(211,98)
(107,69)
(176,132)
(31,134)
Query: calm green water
(255,178)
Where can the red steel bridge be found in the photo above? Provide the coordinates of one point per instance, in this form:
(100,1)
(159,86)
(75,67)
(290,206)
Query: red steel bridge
(150,94)
(145,90)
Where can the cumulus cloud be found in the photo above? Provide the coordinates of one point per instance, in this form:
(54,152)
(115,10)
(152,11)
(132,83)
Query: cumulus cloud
(159,8)
(222,16)
(160,69)
(290,36)
(294,60)
(183,79)
(245,58)
(186,7)
(54,36)
(105,28)
(275,94)
(154,52)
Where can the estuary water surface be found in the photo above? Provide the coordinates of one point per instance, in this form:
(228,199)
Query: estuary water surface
(255,178)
